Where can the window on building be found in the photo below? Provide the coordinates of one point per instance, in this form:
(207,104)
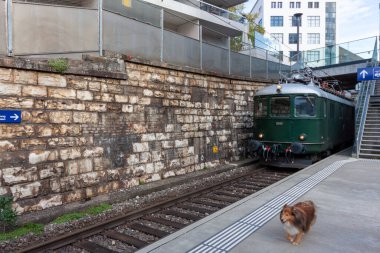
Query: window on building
(291,5)
(293,55)
(316,4)
(294,20)
(313,21)
(312,56)
(273,5)
(298,5)
(330,7)
(310,5)
(276,21)
(279,5)
(293,38)
(278,36)
(313,38)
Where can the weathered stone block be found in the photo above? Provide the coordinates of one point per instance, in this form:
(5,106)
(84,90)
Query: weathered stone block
(6,74)
(79,166)
(133,159)
(96,107)
(16,175)
(121,99)
(88,179)
(22,191)
(39,156)
(148,137)
(127,108)
(61,117)
(17,103)
(48,79)
(84,95)
(6,146)
(94,152)
(133,99)
(34,91)
(25,77)
(181,143)
(85,117)
(62,93)
(10,89)
(140,147)
(52,170)
(70,153)
(50,202)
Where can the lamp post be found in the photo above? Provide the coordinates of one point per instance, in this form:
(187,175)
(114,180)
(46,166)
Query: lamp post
(298,18)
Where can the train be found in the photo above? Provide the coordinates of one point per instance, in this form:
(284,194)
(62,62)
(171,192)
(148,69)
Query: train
(301,120)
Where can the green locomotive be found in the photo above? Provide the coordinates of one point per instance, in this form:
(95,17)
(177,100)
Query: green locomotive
(298,123)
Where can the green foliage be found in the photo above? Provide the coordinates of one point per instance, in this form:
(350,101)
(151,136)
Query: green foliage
(28,228)
(98,209)
(69,217)
(141,181)
(236,44)
(8,215)
(78,215)
(60,64)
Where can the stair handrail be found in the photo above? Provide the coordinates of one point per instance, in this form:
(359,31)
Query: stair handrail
(366,90)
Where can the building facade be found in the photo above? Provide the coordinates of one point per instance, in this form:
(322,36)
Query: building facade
(317,27)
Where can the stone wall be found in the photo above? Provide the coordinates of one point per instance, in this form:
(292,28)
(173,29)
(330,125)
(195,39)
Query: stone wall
(83,136)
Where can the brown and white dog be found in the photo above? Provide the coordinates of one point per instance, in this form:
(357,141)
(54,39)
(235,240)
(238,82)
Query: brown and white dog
(297,220)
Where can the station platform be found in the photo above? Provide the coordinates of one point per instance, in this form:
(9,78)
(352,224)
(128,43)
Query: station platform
(345,190)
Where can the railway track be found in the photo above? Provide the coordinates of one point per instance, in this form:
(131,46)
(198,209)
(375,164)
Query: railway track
(135,230)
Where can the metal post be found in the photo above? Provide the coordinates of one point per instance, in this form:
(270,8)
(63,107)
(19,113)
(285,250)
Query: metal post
(9,20)
(229,55)
(100,26)
(298,17)
(201,46)
(267,63)
(162,35)
(250,62)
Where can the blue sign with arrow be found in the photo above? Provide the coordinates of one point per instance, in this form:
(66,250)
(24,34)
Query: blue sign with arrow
(10,116)
(365,74)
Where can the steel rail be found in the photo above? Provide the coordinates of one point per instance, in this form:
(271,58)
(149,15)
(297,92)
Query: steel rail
(79,234)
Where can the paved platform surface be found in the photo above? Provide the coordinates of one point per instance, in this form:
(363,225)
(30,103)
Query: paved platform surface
(345,190)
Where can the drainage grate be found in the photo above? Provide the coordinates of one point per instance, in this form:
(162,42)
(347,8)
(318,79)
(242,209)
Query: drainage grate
(237,232)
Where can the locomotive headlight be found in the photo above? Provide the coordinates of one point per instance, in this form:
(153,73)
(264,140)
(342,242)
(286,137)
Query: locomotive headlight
(279,87)
(302,137)
(261,135)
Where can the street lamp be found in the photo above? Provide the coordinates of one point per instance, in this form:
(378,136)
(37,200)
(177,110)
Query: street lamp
(298,18)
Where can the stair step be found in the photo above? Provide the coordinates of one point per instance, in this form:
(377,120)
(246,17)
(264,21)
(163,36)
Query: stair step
(367,156)
(369,146)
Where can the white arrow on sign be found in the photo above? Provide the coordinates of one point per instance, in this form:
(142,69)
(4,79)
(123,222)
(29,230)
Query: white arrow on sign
(14,117)
(363,73)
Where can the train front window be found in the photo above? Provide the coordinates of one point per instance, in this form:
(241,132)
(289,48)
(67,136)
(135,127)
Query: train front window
(261,107)
(280,106)
(305,106)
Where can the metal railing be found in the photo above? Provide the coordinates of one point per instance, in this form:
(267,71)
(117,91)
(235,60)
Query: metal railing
(357,50)
(54,29)
(365,92)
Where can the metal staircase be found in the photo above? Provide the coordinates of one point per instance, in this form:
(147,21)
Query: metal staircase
(370,143)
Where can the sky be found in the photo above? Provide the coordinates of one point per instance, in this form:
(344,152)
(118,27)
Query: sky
(356,19)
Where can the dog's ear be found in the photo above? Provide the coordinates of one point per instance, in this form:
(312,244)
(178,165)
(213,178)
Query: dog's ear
(300,218)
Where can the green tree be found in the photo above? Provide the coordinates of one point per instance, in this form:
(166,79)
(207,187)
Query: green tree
(237,42)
